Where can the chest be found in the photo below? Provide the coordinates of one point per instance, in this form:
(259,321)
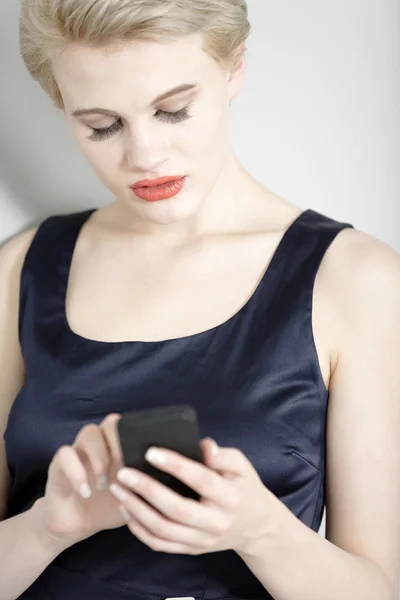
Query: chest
(128,295)
(115,296)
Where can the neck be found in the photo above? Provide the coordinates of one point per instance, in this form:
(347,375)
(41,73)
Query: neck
(223,210)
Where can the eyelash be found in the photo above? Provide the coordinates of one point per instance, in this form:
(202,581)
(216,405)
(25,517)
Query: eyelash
(99,135)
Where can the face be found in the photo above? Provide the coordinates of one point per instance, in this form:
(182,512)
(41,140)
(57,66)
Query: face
(134,136)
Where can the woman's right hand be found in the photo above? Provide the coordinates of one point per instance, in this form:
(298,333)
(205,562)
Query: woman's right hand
(68,514)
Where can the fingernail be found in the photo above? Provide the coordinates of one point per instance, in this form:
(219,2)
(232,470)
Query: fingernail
(118,492)
(125,514)
(102,483)
(85,491)
(127,477)
(156,456)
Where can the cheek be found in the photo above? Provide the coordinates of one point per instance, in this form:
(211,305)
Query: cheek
(210,134)
(102,156)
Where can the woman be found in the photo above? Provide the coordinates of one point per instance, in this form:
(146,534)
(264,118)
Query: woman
(207,289)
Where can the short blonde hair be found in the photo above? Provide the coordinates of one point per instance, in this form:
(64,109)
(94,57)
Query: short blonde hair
(47,26)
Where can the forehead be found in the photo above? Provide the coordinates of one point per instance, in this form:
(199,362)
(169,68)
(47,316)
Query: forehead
(139,69)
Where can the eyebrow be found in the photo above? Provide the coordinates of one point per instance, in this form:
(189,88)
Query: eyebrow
(110,113)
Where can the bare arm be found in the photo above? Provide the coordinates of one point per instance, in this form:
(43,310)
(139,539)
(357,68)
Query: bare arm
(24,552)
(361,556)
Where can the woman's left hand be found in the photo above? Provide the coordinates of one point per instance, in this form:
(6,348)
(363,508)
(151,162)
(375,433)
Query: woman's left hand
(234,512)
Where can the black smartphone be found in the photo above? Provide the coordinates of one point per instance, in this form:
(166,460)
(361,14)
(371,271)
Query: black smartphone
(173,427)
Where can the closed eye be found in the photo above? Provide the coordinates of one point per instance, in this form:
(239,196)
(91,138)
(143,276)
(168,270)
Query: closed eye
(103,134)
(167,117)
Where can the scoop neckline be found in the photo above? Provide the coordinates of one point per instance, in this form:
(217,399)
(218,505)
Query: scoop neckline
(271,266)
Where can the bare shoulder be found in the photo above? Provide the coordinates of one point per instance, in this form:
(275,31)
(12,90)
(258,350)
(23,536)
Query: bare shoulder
(359,266)
(14,250)
(12,256)
(359,279)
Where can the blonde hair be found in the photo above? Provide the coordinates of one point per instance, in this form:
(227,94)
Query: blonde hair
(47,26)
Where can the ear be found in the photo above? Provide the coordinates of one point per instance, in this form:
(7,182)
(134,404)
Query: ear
(236,77)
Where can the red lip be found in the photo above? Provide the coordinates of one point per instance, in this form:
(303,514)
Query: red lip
(154,193)
(153,182)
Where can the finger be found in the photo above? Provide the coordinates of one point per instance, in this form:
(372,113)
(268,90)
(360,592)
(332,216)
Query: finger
(227,460)
(91,447)
(66,472)
(157,544)
(200,478)
(172,505)
(156,524)
(109,426)
(210,449)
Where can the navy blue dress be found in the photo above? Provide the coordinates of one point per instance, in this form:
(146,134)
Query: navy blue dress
(255,382)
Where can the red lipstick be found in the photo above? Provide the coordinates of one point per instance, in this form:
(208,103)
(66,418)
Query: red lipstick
(162,188)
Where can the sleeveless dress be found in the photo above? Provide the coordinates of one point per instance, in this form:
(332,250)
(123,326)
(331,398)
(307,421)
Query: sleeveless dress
(254,380)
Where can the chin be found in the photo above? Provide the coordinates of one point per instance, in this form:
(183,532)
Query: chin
(166,212)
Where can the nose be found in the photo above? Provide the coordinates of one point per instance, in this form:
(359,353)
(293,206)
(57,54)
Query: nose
(145,148)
